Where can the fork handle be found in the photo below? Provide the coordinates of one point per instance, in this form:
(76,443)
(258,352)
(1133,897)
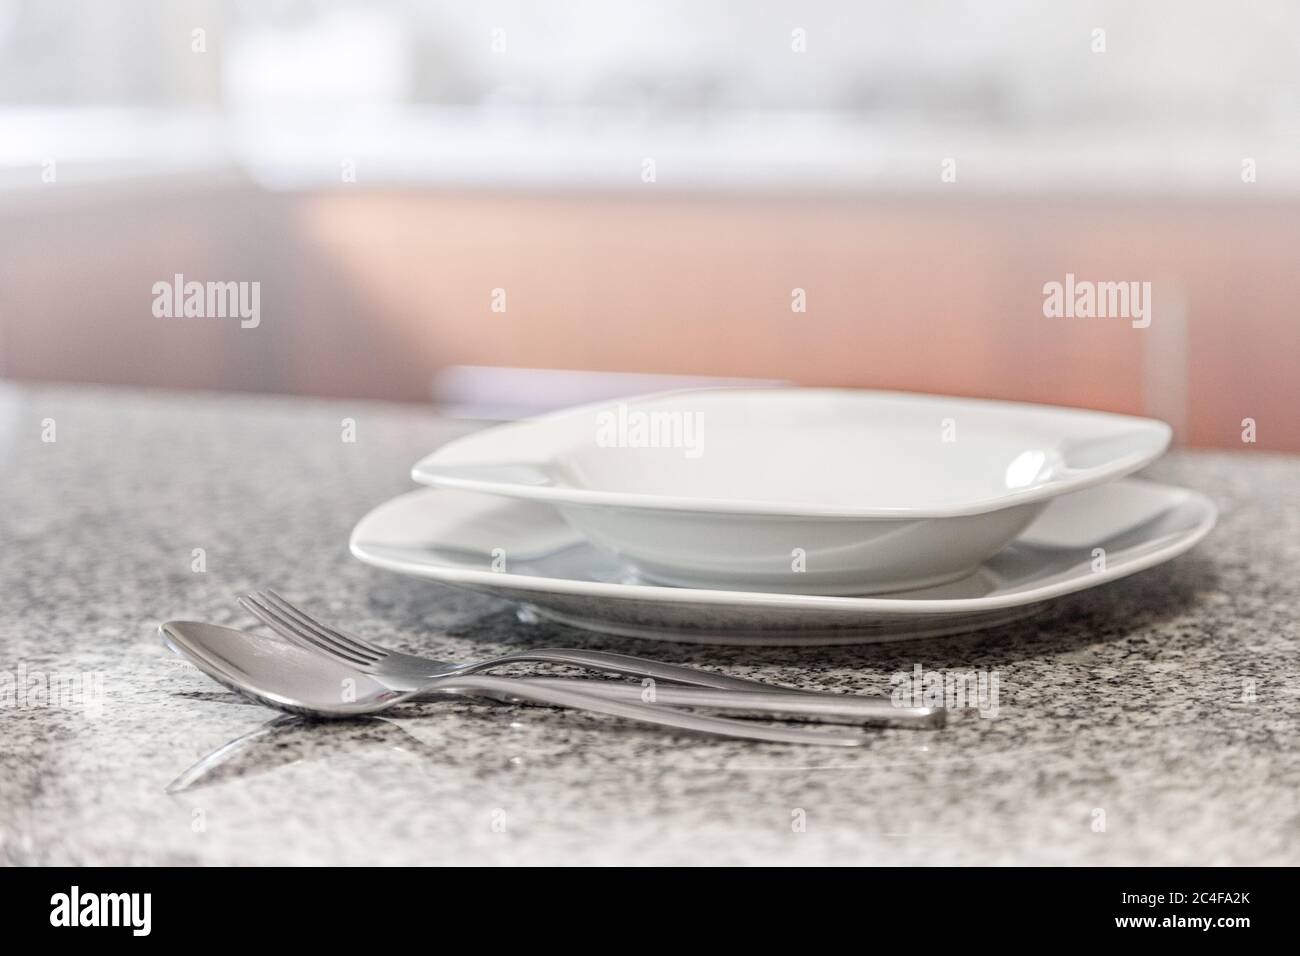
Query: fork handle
(514,689)
(828,708)
(637,667)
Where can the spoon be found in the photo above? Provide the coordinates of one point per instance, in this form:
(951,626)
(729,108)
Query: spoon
(290,678)
(408,672)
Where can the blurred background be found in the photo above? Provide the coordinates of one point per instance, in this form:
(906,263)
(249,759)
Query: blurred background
(504,206)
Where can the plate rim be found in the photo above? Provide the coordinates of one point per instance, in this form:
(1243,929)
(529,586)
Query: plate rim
(572,587)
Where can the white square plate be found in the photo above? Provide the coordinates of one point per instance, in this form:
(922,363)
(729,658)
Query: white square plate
(524,552)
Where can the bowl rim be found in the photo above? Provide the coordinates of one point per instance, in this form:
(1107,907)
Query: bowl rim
(434,470)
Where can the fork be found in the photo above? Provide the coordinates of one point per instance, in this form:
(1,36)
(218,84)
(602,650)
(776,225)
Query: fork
(410,673)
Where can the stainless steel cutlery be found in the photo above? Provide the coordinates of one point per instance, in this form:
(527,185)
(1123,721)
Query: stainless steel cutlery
(408,672)
(320,671)
(294,679)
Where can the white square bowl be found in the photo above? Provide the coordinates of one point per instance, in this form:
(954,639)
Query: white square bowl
(814,491)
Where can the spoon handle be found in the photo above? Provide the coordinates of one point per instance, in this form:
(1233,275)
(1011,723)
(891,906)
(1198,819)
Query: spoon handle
(514,689)
(828,708)
(636,667)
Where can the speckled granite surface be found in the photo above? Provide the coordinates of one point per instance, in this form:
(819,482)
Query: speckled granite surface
(1151,721)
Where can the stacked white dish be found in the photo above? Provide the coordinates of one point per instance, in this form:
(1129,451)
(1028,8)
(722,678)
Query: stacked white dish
(789,515)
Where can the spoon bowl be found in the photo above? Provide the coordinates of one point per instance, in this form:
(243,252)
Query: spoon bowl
(278,673)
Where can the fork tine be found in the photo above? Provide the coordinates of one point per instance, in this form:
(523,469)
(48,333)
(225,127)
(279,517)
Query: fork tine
(360,645)
(285,626)
(288,627)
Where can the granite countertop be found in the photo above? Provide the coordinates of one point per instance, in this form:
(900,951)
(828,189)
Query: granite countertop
(1150,721)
